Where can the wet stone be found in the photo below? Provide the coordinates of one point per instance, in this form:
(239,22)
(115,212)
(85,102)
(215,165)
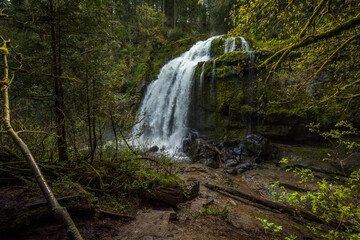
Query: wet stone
(209,162)
(243,167)
(231,163)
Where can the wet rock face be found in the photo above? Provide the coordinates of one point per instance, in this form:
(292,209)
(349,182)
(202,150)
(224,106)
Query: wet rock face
(234,158)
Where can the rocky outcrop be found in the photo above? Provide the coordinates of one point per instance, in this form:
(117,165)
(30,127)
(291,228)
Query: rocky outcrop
(235,157)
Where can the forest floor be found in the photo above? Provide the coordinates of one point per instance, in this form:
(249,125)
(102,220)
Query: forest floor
(211,215)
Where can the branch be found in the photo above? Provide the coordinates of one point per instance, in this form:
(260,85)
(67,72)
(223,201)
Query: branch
(326,61)
(350,96)
(314,38)
(339,90)
(41,132)
(309,21)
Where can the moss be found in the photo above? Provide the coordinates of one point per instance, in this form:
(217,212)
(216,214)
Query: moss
(234,57)
(211,121)
(168,52)
(217,47)
(198,70)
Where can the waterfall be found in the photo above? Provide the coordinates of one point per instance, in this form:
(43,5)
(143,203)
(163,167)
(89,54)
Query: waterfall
(166,101)
(202,74)
(227,45)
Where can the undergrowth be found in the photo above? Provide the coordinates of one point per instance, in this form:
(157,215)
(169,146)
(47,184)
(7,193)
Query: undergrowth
(110,183)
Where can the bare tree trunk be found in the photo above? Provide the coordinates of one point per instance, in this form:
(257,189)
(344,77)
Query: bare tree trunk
(59,212)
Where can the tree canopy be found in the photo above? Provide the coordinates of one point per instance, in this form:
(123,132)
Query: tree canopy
(313,51)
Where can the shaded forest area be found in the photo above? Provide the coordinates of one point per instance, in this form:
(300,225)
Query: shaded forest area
(73,73)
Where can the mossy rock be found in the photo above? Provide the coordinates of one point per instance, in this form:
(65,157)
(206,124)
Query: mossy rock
(234,57)
(168,52)
(217,47)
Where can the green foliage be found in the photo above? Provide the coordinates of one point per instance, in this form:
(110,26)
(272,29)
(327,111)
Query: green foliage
(150,24)
(331,201)
(272,231)
(340,136)
(305,68)
(269,225)
(336,203)
(224,213)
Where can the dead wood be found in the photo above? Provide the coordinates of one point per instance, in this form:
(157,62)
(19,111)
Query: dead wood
(273,205)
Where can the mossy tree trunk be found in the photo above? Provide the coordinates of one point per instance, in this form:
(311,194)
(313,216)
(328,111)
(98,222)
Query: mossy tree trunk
(59,212)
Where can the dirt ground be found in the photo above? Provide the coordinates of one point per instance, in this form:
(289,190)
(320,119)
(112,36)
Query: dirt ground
(163,222)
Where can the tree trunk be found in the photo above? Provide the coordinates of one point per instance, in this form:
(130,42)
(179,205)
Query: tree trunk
(93,118)
(115,135)
(59,212)
(88,109)
(59,91)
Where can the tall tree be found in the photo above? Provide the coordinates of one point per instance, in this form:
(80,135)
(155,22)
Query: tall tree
(58,85)
(59,212)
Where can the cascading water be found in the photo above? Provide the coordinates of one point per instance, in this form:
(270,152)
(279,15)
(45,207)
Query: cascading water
(166,101)
(229,48)
(202,74)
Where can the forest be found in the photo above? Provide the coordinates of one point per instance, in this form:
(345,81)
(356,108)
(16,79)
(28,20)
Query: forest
(169,119)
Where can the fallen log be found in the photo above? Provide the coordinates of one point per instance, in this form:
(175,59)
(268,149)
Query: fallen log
(273,205)
(42,201)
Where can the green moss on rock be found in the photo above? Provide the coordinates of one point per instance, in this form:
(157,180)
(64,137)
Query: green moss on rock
(238,57)
(217,47)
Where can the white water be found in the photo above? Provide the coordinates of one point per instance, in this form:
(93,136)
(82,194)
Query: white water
(202,74)
(229,48)
(166,101)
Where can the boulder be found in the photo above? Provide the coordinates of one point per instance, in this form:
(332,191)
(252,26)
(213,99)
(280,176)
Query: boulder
(202,152)
(154,149)
(260,148)
(231,163)
(174,194)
